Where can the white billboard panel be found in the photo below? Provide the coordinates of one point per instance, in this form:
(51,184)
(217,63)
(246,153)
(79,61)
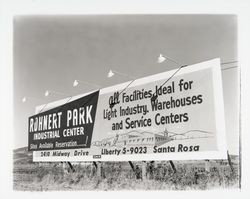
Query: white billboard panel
(147,119)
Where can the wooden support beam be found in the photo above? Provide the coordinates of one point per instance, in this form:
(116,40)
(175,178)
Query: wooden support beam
(172,165)
(95,164)
(230,162)
(207,165)
(98,171)
(132,166)
(150,172)
(71,166)
(63,166)
(136,170)
(144,170)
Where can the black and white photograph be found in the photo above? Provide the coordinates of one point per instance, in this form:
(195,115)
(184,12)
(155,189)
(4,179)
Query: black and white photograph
(119,102)
(126,102)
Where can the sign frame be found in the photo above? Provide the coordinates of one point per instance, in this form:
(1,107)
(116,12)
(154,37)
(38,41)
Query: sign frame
(221,153)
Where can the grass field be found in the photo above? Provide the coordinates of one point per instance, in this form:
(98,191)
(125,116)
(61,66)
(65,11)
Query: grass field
(30,176)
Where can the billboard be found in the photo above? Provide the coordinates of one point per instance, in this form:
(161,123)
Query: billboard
(152,118)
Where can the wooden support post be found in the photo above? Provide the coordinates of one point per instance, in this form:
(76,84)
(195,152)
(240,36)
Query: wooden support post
(207,165)
(63,166)
(98,171)
(144,171)
(172,165)
(132,166)
(93,168)
(230,162)
(135,170)
(150,173)
(71,167)
(95,164)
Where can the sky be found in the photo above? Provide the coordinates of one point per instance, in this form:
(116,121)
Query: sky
(50,52)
